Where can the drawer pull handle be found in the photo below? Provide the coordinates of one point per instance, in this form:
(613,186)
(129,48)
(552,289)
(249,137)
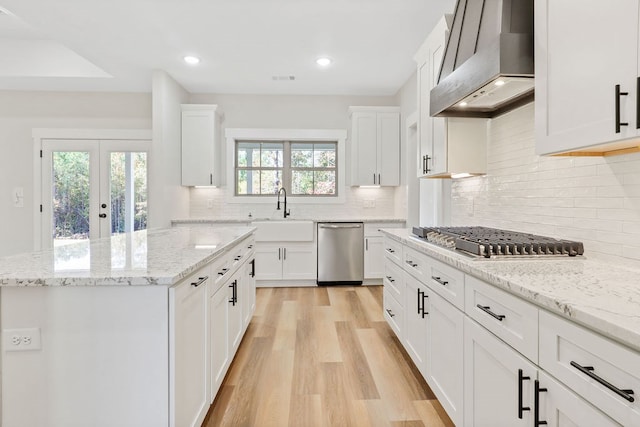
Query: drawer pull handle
(391,251)
(521,408)
(200,281)
(487,310)
(390,313)
(536,404)
(411,263)
(421,296)
(391,279)
(588,371)
(439,280)
(223,272)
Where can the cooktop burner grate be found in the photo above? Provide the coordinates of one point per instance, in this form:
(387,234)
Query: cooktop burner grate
(490,242)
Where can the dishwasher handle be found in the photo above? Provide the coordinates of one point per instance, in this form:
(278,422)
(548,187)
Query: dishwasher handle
(337,226)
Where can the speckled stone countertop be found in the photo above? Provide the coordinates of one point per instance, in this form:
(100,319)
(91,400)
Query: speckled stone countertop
(600,295)
(249,220)
(153,257)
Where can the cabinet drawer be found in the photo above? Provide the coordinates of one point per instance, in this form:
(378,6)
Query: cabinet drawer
(601,371)
(512,319)
(393,250)
(393,313)
(416,264)
(447,282)
(393,280)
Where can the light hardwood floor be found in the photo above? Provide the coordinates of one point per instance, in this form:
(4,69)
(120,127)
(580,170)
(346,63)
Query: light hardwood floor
(323,356)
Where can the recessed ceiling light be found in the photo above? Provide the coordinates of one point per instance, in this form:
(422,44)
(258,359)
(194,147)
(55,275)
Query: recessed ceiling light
(499,82)
(324,61)
(463,104)
(191,60)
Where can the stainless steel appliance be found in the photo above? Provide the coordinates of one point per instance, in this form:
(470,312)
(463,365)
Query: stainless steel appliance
(495,243)
(340,253)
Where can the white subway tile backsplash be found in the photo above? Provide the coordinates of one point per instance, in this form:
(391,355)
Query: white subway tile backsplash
(592,199)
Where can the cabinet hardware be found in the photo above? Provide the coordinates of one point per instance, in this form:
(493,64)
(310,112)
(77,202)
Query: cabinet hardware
(379,181)
(211,179)
(237,258)
(391,279)
(618,122)
(223,272)
(487,310)
(374,179)
(588,371)
(426,164)
(521,408)
(366,244)
(279,254)
(200,281)
(102,215)
(536,404)
(411,263)
(421,296)
(234,292)
(253,267)
(284,254)
(391,251)
(250,247)
(439,280)
(390,313)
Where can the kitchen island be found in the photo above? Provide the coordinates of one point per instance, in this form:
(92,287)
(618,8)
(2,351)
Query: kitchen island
(133,330)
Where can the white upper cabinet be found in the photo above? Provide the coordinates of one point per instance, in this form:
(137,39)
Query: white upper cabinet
(586,72)
(375,145)
(201,139)
(446,146)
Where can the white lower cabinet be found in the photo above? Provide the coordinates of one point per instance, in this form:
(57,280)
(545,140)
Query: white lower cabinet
(219,341)
(189,400)
(417,324)
(445,356)
(249,291)
(559,407)
(498,381)
(373,257)
(294,261)
(235,310)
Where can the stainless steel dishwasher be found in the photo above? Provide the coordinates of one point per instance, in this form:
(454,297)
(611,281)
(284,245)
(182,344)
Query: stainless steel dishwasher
(340,253)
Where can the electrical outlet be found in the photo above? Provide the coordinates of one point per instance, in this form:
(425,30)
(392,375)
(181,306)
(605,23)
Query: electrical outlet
(21,339)
(370,203)
(209,203)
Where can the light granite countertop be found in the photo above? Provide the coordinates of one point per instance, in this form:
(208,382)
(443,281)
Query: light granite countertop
(598,294)
(150,257)
(247,220)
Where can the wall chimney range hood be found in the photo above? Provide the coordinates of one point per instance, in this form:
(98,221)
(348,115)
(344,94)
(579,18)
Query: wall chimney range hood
(487,67)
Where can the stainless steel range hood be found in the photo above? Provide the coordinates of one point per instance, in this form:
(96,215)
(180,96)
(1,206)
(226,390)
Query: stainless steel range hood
(487,68)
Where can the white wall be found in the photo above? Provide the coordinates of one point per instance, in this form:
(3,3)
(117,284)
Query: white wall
(292,112)
(167,198)
(20,113)
(591,199)
(408,196)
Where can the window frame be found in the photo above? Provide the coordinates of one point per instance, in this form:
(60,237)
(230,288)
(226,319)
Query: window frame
(287,170)
(234,135)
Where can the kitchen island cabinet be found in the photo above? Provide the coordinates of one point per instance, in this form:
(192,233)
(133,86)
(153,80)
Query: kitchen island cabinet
(120,343)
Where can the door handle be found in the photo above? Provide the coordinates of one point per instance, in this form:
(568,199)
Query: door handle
(618,95)
(521,408)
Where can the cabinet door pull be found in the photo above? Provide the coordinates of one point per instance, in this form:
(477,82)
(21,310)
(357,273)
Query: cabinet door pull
(211,179)
(521,408)
(419,299)
(391,279)
(223,272)
(426,164)
(374,179)
(439,280)
(411,263)
(366,244)
(421,296)
(379,181)
(253,267)
(588,371)
(279,255)
(487,310)
(233,292)
(536,404)
(618,122)
(390,313)
(391,251)
(284,252)
(200,281)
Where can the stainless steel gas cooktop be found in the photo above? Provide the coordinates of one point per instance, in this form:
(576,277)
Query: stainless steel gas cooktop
(492,242)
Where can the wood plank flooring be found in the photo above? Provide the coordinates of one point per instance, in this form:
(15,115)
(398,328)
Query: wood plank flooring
(323,356)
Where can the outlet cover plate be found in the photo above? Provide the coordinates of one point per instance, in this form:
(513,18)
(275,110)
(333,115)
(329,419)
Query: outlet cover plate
(24,339)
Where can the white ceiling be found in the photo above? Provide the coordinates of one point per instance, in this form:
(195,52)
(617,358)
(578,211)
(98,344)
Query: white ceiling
(114,45)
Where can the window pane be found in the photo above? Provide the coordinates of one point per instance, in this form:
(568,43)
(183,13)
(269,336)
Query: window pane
(324,155)
(324,182)
(70,196)
(301,155)
(270,181)
(301,182)
(128,178)
(248,154)
(272,155)
(241,182)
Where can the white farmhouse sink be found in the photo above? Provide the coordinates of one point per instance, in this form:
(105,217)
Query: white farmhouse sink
(283,231)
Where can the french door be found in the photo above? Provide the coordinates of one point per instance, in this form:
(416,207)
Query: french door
(92,189)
